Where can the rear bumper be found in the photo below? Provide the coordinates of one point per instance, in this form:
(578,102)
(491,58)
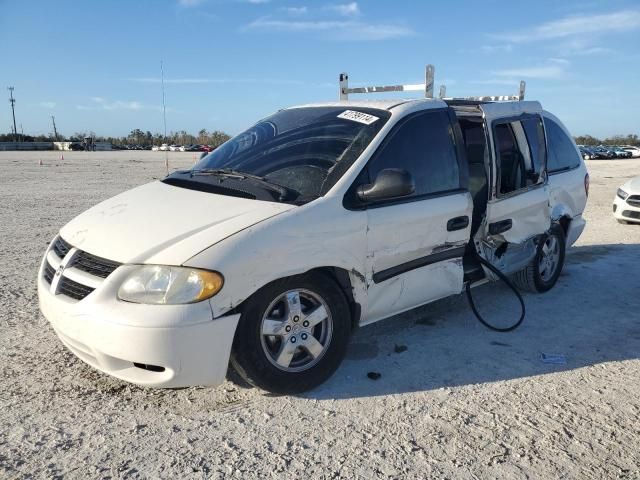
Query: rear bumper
(576,227)
(623,211)
(111,340)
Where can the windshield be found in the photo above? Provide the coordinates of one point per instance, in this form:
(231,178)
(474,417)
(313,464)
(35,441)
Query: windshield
(305,150)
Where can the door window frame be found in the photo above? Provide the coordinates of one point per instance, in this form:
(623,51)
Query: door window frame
(495,165)
(350,200)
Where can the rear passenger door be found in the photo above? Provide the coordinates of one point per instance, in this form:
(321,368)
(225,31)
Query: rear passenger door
(519,206)
(415,243)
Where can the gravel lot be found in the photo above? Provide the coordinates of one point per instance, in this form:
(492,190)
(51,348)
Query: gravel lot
(460,401)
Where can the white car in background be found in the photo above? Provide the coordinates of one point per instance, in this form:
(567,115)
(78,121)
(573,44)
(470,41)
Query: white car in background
(164,147)
(174,148)
(626,204)
(155,148)
(635,151)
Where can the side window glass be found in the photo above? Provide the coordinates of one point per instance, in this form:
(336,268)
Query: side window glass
(511,160)
(562,152)
(423,146)
(535,138)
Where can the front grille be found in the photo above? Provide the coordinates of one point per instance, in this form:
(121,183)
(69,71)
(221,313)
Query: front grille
(631,214)
(48,272)
(100,267)
(73,289)
(61,248)
(634,200)
(97,267)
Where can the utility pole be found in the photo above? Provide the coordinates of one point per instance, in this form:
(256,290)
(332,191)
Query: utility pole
(12,101)
(55,132)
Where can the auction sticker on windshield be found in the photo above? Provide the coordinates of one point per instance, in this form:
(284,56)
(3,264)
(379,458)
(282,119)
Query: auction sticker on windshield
(358,117)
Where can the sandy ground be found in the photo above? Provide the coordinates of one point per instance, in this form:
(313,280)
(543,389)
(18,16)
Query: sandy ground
(460,402)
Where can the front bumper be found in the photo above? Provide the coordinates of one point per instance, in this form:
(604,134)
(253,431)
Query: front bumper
(624,211)
(150,345)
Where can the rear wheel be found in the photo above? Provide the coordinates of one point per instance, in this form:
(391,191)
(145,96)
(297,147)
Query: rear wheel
(292,334)
(545,268)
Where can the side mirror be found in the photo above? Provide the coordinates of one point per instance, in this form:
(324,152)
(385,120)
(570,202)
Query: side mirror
(390,183)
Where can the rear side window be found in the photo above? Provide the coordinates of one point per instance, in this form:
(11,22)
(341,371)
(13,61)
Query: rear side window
(562,152)
(424,146)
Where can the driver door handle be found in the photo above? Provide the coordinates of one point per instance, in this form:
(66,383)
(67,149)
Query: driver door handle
(458,223)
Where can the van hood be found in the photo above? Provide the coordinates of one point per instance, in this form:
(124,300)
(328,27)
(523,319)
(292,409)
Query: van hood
(163,224)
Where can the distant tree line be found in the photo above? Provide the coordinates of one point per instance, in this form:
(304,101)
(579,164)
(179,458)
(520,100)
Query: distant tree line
(135,137)
(216,137)
(614,140)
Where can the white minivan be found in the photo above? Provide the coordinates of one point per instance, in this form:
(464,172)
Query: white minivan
(266,254)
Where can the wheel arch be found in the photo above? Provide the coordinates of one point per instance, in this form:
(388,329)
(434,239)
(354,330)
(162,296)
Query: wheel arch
(341,276)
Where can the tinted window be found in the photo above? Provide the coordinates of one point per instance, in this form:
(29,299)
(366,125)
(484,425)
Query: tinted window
(511,165)
(562,152)
(423,146)
(535,138)
(304,149)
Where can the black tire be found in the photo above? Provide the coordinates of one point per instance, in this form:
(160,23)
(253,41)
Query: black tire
(530,278)
(249,357)
(623,222)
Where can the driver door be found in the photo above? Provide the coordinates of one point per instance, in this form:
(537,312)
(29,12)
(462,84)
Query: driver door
(415,243)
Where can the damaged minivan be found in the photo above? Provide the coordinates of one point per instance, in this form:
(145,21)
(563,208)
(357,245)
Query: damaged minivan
(267,254)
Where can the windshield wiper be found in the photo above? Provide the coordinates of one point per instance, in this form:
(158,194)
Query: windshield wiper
(284,193)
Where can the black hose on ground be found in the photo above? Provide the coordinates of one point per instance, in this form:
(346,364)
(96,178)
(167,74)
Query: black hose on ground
(510,284)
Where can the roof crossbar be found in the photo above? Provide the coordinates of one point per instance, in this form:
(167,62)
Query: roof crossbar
(426,87)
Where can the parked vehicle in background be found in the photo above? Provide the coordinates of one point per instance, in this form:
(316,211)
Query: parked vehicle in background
(604,153)
(588,153)
(192,148)
(318,219)
(174,148)
(634,151)
(164,147)
(155,148)
(626,204)
(206,148)
(620,152)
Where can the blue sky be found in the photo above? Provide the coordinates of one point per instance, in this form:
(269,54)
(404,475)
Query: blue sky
(96,65)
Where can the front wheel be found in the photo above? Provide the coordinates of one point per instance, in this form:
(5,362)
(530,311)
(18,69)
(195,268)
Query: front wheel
(545,268)
(292,334)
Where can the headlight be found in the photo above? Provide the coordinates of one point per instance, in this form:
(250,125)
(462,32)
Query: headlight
(163,285)
(622,194)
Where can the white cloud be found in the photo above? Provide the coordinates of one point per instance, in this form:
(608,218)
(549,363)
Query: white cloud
(235,81)
(190,3)
(296,11)
(170,80)
(345,9)
(506,48)
(623,20)
(99,103)
(48,105)
(554,70)
(343,29)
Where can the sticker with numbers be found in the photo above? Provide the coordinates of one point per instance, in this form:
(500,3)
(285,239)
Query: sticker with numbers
(358,117)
